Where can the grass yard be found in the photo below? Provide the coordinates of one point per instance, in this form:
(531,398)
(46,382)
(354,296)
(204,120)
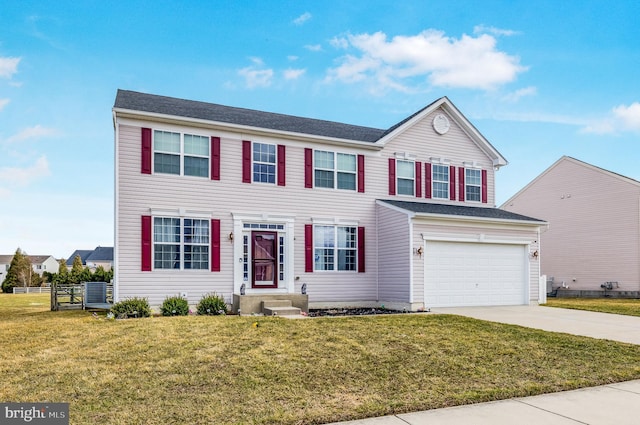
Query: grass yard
(227,370)
(629,307)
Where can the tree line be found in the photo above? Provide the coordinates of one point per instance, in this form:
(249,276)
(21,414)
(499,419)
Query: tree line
(21,274)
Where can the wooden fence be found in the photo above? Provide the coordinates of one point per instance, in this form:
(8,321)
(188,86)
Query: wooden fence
(71,296)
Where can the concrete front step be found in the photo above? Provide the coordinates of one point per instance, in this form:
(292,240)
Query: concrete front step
(281,311)
(276,303)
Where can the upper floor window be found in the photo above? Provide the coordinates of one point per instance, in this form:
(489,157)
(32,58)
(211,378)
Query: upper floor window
(180,243)
(335,170)
(180,154)
(440,181)
(473,184)
(405,173)
(264,163)
(335,248)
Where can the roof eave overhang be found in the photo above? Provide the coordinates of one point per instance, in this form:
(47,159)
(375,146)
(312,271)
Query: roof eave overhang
(223,126)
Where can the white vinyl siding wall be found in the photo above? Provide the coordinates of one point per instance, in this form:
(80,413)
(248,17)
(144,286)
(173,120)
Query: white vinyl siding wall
(394,255)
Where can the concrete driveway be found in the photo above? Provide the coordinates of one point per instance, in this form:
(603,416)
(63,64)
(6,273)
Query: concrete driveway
(586,323)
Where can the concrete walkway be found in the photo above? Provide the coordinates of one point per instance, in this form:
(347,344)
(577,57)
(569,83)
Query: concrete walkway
(609,404)
(617,404)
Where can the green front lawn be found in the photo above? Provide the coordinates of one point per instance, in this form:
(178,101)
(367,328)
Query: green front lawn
(236,370)
(629,307)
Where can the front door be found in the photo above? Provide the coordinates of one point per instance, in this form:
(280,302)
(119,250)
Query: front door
(264,255)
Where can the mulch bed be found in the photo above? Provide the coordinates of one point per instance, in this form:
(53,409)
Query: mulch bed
(353,312)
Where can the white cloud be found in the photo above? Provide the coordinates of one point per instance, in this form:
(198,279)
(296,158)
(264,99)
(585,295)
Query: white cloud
(406,61)
(256,77)
(300,20)
(313,47)
(292,58)
(8,67)
(483,29)
(621,119)
(21,177)
(516,95)
(35,132)
(3,103)
(339,42)
(293,74)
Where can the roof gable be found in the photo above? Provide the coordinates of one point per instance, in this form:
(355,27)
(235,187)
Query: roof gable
(453,113)
(101,253)
(570,160)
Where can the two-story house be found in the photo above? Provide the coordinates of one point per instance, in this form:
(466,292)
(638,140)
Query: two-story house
(245,203)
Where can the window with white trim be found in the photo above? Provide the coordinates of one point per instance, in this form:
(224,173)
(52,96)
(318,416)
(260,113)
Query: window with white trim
(264,163)
(440,181)
(180,243)
(335,248)
(335,170)
(180,154)
(406,177)
(473,184)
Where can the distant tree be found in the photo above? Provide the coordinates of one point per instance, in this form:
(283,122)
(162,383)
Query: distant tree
(48,276)
(76,270)
(19,273)
(85,275)
(36,280)
(62,277)
(99,275)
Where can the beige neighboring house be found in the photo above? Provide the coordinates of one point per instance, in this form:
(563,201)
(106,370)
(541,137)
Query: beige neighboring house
(594,227)
(39,263)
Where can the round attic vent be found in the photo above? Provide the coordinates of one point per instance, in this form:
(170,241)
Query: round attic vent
(441,124)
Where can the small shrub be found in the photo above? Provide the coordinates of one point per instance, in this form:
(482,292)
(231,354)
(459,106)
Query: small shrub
(175,306)
(131,308)
(211,305)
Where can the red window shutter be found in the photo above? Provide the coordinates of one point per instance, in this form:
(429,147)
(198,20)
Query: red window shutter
(461,192)
(146,244)
(484,186)
(361,173)
(418,179)
(308,248)
(282,177)
(215,158)
(308,168)
(215,245)
(452,183)
(146,151)
(361,250)
(427,180)
(246,161)
(392,176)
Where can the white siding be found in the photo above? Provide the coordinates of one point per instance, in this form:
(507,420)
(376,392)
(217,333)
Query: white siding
(594,224)
(394,255)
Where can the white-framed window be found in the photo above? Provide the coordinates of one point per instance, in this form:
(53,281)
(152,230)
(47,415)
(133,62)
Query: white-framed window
(180,154)
(335,248)
(440,181)
(335,170)
(180,243)
(473,184)
(406,177)
(264,163)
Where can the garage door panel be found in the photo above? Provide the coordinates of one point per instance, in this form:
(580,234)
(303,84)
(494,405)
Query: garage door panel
(469,274)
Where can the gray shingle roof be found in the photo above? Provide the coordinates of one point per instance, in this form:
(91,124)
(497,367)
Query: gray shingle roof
(144,102)
(460,210)
(83,253)
(101,253)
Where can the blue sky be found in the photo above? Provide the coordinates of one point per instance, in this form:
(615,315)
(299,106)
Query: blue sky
(540,79)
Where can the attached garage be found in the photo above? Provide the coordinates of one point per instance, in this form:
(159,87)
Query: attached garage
(437,255)
(475,274)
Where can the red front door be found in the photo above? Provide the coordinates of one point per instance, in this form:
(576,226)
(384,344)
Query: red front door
(264,264)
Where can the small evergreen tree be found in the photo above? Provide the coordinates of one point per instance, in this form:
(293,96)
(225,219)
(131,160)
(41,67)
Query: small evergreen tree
(76,270)
(62,277)
(19,273)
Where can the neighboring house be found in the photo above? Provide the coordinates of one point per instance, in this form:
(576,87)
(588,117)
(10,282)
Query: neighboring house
(101,256)
(93,258)
(39,264)
(5,262)
(212,198)
(594,225)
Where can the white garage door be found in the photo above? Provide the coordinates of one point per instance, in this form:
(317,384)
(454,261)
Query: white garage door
(475,274)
